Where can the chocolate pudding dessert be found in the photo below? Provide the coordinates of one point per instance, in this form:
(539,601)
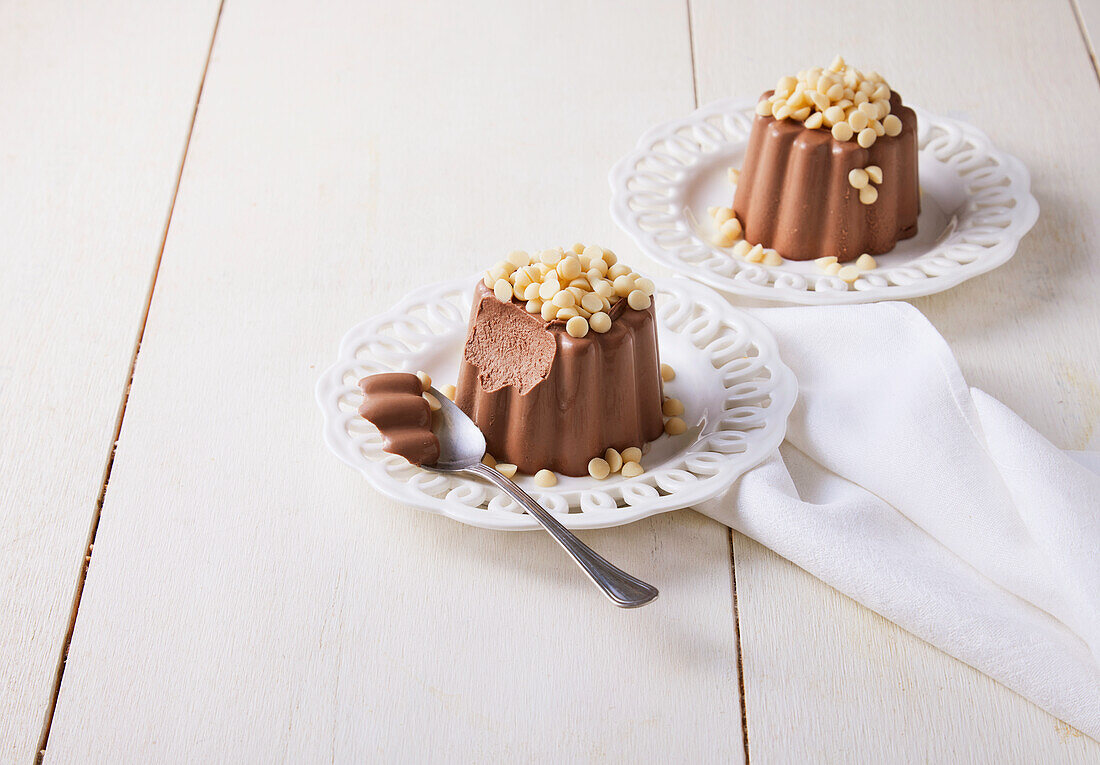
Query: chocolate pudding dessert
(831,167)
(561,362)
(393,403)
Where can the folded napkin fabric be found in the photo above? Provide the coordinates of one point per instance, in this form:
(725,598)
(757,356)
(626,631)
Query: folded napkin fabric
(932,504)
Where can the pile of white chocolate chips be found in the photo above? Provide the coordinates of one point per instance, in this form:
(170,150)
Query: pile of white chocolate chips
(841,98)
(577,286)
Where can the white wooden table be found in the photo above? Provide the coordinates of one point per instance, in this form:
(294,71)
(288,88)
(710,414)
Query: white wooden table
(196,200)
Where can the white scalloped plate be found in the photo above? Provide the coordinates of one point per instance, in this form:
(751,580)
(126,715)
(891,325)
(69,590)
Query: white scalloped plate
(736,391)
(975,208)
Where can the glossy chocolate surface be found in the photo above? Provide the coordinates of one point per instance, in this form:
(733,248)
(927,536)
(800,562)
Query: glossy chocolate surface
(794,196)
(393,403)
(545,399)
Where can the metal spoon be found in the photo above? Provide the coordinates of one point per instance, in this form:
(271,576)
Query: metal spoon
(461,449)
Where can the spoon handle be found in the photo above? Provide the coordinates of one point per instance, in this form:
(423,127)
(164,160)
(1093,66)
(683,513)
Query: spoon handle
(623,589)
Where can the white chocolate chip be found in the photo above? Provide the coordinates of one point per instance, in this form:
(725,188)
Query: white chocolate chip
(614,460)
(741,248)
(632,469)
(865,262)
(842,131)
(734,175)
(874,173)
(731,228)
(519,258)
(624,285)
(433,402)
(617,270)
(604,288)
(592,302)
(564,299)
(866,138)
(832,269)
(868,195)
(857,178)
(848,273)
(565,314)
(755,254)
(489,460)
(569,267)
(600,322)
(814,121)
(425,380)
(828,260)
(672,407)
(549,311)
(632,454)
(892,125)
(858,121)
(550,257)
(503,290)
(449,391)
(598,468)
(668,374)
(547,290)
(534,306)
(577,326)
(646,285)
(638,300)
(763,108)
(772,258)
(721,215)
(545,478)
(675,426)
(506,469)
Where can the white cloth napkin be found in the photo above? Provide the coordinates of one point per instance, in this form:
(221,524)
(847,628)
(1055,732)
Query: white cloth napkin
(932,503)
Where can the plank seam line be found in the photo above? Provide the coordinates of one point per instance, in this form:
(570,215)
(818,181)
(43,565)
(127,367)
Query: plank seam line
(691,49)
(740,661)
(733,567)
(43,741)
(1075,6)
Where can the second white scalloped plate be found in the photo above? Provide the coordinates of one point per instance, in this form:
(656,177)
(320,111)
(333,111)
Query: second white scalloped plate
(736,391)
(975,208)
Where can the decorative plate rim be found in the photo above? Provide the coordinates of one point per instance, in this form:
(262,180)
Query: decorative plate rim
(759,393)
(1000,180)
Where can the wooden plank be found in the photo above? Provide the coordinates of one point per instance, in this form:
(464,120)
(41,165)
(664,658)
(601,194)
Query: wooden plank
(249,596)
(97,103)
(825,679)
